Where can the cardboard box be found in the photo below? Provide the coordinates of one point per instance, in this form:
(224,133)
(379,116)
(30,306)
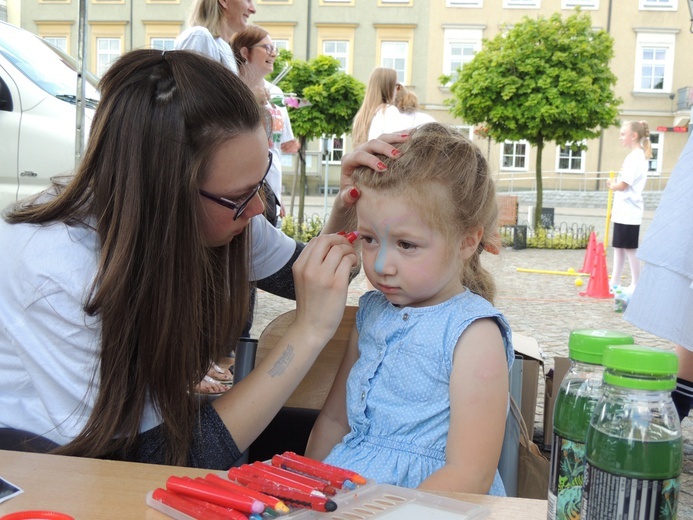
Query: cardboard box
(528,353)
(552,382)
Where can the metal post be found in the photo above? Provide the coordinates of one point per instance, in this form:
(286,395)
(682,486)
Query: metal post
(81,72)
(325,157)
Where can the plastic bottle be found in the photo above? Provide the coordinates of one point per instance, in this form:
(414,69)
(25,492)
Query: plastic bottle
(577,396)
(634,444)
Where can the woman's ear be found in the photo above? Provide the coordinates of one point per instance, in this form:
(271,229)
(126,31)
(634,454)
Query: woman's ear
(245,53)
(470,242)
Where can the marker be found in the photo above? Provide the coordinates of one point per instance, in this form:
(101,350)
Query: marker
(284,493)
(183,505)
(287,478)
(333,478)
(313,482)
(348,474)
(271,502)
(351,237)
(214,494)
(226,512)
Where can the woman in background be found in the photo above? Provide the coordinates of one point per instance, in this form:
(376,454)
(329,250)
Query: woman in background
(377,107)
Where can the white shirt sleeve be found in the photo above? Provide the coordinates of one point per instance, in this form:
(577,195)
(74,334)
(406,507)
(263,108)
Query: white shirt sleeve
(271,249)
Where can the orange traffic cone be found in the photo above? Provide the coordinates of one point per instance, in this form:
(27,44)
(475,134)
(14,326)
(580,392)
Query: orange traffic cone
(589,255)
(598,286)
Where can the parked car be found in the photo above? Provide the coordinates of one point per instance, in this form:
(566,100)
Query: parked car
(38,113)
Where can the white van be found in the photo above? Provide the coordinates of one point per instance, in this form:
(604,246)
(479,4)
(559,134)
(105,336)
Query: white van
(38,115)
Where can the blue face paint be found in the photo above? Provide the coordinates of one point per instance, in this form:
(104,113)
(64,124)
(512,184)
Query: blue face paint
(382,252)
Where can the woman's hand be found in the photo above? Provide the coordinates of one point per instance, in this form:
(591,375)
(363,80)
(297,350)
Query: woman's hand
(362,155)
(321,277)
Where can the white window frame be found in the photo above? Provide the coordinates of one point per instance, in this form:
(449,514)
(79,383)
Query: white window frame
(654,164)
(464,3)
(570,156)
(521,4)
(390,59)
(342,57)
(282,43)
(58,41)
(515,155)
(658,41)
(162,43)
(470,38)
(336,152)
(110,55)
(587,5)
(658,5)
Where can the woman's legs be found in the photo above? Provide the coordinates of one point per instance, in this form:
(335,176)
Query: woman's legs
(634,267)
(619,258)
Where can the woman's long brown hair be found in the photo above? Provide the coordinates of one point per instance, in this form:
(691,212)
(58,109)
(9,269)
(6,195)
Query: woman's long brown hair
(167,304)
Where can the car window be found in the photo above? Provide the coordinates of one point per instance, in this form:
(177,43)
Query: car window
(48,67)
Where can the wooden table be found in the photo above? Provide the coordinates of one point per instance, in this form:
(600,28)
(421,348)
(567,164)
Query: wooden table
(90,489)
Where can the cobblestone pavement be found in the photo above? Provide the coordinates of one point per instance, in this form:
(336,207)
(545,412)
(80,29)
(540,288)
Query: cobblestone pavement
(546,307)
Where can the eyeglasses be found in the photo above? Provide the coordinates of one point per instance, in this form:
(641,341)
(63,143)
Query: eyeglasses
(270,49)
(239,206)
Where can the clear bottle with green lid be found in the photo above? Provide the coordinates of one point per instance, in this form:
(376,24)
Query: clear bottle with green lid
(577,396)
(634,444)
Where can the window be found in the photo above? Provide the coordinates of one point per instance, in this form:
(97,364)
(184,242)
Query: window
(464,3)
(582,4)
(653,164)
(515,155)
(162,44)
(107,51)
(281,44)
(659,5)
(57,41)
(339,50)
(521,4)
(282,34)
(393,55)
(654,62)
(460,47)
(336,150)
(468,131)
(569,160)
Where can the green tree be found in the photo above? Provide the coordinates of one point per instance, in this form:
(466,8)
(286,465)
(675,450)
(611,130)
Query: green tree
(542,80)
(331,100)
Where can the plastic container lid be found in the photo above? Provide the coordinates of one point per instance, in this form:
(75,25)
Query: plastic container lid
(640,367)
(588,345)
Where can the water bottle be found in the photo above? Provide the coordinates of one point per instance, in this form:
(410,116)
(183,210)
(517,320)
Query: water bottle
(577,396)
(634,444)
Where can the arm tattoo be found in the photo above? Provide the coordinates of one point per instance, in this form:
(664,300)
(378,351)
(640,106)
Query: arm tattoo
(283,362)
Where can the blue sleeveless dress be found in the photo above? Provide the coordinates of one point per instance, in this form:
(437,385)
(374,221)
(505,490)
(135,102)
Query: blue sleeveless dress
(398,400)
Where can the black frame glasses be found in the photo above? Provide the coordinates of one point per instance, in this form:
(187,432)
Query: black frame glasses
(239,206)
(269,49)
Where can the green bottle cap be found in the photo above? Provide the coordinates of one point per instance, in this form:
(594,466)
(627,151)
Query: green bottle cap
(588,345)
(641,368)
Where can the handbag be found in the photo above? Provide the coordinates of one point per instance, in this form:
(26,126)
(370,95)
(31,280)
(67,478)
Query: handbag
(532,466)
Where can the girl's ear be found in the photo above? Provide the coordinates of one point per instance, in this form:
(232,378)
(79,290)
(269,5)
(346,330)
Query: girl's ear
(470,242)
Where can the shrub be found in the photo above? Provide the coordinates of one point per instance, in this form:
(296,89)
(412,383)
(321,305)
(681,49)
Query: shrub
(308,229)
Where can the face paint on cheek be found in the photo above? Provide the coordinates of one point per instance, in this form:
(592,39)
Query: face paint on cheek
(379,265)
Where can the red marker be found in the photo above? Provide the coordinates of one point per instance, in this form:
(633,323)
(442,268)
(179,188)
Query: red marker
(351,237)
(321,466)
(314,483)
(226,512)
(269,501)
(214,494)
(184,505)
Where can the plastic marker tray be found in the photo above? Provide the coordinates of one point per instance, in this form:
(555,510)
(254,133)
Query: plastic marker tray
(384,501)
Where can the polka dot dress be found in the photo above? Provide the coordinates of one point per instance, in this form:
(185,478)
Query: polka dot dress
(398,400)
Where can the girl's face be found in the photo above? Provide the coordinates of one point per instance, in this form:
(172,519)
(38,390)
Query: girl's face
(237,13)
(235,170)
(628,138)
(410,263)
(261,56)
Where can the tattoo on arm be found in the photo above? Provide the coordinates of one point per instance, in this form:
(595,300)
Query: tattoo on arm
(283,362)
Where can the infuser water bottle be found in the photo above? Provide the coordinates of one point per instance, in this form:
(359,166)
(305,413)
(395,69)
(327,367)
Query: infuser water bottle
(577,396)
(634,444)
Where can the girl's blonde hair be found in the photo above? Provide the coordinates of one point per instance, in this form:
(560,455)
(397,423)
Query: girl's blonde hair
(209,14)
(642,129)
(445,176)
(380,92)
(406,100)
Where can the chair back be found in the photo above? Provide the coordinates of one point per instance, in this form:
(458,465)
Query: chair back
(312,391)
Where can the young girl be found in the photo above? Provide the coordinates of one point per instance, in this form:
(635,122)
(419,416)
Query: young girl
(420,398)
(628,203)
(377,107)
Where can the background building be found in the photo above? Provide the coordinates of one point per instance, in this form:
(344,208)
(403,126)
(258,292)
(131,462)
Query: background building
(422,40)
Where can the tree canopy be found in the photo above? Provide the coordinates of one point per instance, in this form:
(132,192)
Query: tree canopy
(542,80)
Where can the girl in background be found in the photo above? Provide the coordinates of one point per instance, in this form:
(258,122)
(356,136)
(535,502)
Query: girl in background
(420,398)
(628,204)
(377,107)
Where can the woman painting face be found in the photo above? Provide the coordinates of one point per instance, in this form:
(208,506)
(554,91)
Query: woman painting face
(237,13)
(236,169)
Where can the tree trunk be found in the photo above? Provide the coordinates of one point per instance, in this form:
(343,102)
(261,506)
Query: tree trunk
(540,185)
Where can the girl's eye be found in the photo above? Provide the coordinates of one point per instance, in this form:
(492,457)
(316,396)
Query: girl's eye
(407,245)
(366,239)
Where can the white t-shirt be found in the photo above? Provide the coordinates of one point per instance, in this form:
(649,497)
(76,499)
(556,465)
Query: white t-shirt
(392,120)
(198,38)
(49,347)
(281,133)
(628,204)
